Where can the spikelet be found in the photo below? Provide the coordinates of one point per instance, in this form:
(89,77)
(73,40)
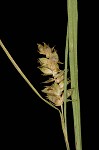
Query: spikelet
(49,65)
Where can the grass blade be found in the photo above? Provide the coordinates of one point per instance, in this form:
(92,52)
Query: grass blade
(72,22)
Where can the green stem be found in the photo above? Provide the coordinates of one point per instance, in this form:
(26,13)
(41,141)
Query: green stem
(64,129)
(65,78)
(72,23)
(65,89)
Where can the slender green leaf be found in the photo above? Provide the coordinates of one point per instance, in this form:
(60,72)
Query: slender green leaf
(72,22)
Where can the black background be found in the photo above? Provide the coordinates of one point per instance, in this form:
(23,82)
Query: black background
(26,121)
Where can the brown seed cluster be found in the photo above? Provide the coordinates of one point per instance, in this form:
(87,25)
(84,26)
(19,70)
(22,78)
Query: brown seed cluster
(49,65)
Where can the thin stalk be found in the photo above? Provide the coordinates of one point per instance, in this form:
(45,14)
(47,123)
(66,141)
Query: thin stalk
(32,87)
(72,22)
(23,75)
(62,109)
(65,87)
(64,131)
(65,78)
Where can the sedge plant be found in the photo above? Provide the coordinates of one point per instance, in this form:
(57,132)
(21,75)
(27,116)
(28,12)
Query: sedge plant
(57,93)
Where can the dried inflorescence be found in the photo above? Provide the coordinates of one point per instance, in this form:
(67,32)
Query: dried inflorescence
(49,65)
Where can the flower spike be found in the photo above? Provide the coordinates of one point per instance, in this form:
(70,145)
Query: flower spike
(49,65)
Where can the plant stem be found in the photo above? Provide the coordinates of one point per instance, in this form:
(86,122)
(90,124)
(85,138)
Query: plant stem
(64,131)
(23,75)
(65,78)
(72,23)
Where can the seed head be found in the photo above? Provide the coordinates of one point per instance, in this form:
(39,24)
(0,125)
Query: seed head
(49,65)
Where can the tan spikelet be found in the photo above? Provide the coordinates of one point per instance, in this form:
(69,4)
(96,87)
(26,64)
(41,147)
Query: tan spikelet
(49,65)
